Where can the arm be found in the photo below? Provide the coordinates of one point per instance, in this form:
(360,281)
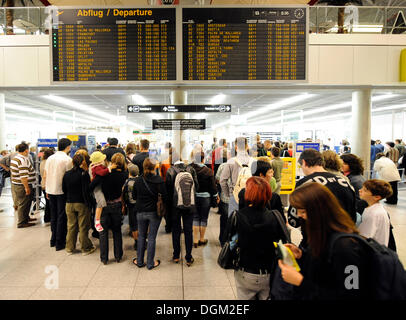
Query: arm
(64,184)
(96,181)
(368,226)
(225,175)
(277,205)
(194,175)
(26,186)
(241,199)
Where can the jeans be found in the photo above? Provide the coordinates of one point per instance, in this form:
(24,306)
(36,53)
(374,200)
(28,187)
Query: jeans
(132,217)
(201,214)
(78,215)
(223,209)
(187,217)
(111,219)
(152,220)
(232,205)
(58,220)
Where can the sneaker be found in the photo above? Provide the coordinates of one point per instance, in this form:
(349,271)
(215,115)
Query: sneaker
(69,253)
(85,253)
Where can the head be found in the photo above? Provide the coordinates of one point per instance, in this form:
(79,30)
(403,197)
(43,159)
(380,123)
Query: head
(390,144)
(257,192)
(277,144)
(97,157)
(322,214)
(86,158)
(144,145)
(23,149)
(133,170)
(77,161)
(4,152)
(47,153)
(379,155)
(332,161)
(149,166)
(290,145)
(198,156)
(130,148)
(223,142)
(83,148)
(241,144)
(375,190)
(275,152)
(310,159)
(98,147)
(267,144)
(113,142)
(119,160)
(398,141)
(262,169)
(373,142)
(258,138)
(352,164)
(64,145)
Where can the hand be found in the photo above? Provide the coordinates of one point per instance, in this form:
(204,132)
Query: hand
(47,195)
(289,274)
(218,200)
(295,250)
(27,191)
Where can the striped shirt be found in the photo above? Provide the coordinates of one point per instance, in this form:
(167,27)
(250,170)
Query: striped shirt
(21,167)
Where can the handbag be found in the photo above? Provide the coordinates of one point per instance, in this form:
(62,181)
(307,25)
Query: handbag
(229,257)
(160,206)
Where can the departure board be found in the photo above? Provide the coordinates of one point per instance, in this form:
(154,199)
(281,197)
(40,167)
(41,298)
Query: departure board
(244,43)
(114,44)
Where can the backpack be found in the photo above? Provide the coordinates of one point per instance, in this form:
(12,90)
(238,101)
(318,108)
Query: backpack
(128,192)
(387,276)
(184,195)
(243,176)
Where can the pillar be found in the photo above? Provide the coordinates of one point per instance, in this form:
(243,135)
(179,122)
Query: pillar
(179,140)
(361,126)
(2,122)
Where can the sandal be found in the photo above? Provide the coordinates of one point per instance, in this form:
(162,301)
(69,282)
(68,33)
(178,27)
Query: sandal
(196,244)
(159,262)
(190,262)
(176,260)
(135,263)
(203,243)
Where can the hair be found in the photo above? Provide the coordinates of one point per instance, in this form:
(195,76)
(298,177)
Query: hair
(331,160)
(3,152)
(324,215)
(144,143)
(398,140)
(77,161)
(354,162)
(258,192)
(98,147)
(379,155)
(86,158)
(119,160)
(112,141)
(373,142)
(259,167)
(130,148)
(312,158)
(264,159)
(222,142)
(47,153)
(390,144)
(277,144)
(63,144)
(241,143)
(267,143)
(290,145)
(83,148)
(22,147)
(379,188)
(149,166)
(275,151)
(133,170)
(198,157)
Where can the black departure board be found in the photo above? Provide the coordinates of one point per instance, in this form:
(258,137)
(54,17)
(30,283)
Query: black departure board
(181,124)
(114,44)
(244,43)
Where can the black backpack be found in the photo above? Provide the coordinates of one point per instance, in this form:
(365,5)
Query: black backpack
(387,277)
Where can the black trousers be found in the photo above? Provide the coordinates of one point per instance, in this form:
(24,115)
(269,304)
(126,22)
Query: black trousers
(58,221)
(223,210)
(47,209)
(187,218)
(111,220)
(393,199)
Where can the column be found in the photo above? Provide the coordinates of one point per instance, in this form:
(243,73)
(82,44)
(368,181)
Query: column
(179,140)
(361,125)
(2,122)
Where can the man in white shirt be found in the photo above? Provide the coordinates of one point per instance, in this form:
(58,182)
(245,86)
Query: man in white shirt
(388,171)
(375,220)
(55,169)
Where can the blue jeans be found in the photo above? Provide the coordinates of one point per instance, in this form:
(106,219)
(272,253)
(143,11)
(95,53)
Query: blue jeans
(152,220)
(232,205)
(201,214)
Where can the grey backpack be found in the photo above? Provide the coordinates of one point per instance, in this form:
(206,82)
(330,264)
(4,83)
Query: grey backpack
(184,195)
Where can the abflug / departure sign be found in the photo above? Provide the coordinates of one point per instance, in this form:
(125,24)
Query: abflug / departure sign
(244,43)
(114,44)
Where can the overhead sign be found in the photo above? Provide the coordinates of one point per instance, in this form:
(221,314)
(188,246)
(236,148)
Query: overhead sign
(178,108)
(47,143)
(179,124)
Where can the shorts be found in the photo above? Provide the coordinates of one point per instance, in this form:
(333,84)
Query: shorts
(99,196)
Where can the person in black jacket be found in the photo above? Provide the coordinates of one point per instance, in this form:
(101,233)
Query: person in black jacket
(328,272)
(263,169)
(145,191)
(139,158)
(77,211)
(257,228)
(111,218)
(206,195)
(176,214)
(112,149)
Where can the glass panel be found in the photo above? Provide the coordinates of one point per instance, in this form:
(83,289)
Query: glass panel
(24,21)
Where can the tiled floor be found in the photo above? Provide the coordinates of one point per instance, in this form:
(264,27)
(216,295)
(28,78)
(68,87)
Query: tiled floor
(25,255)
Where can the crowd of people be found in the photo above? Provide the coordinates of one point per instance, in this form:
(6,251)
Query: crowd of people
(95,191)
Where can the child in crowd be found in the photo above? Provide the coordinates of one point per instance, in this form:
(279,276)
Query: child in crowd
(129,201)
(375,220)
(98,168)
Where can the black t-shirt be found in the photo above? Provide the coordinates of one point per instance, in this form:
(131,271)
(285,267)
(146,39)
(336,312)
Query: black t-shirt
(110,151)
(139,161)
(343,191)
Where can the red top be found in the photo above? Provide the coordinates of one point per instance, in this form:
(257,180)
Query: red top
(100,170)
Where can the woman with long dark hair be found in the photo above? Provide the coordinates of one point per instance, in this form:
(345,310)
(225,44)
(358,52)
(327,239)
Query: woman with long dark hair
(325,268)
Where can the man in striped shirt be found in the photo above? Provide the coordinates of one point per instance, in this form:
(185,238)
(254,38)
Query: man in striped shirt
(22,179)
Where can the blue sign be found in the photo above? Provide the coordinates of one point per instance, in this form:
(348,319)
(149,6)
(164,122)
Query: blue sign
(48,143)
(301,146)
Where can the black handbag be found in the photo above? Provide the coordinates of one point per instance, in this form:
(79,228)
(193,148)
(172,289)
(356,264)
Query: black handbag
(229,258)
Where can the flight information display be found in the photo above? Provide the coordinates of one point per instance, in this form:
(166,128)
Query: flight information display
(244,43)
(114,44)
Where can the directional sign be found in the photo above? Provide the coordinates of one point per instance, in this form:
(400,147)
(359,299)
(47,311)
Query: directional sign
(179,124)
(47,143)
(179,108)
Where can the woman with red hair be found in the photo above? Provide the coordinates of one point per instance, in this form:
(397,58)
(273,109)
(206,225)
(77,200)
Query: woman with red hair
(257,229)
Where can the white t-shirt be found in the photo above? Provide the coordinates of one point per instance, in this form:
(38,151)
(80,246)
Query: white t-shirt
(55,169)
(375,224)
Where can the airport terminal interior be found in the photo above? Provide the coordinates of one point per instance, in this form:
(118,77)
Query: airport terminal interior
(342,86)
